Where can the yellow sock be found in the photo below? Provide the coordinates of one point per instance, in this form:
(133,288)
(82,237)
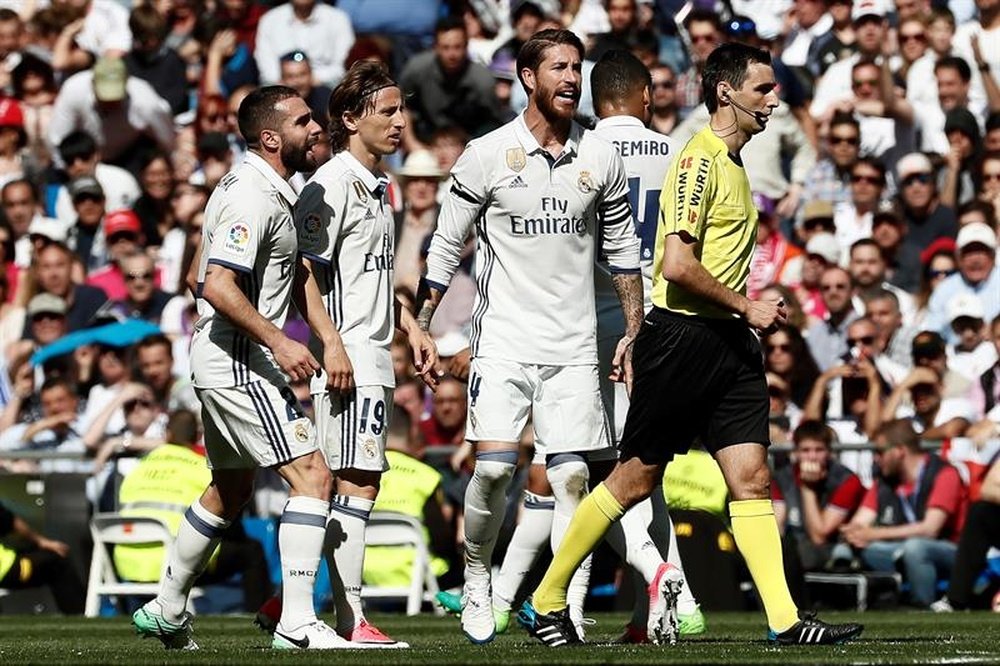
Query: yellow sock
(756,534)
(590,521)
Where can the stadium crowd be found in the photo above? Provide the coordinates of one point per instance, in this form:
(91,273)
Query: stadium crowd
(877,184)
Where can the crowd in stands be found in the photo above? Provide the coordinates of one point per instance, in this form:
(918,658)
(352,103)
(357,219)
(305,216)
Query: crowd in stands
(877,182)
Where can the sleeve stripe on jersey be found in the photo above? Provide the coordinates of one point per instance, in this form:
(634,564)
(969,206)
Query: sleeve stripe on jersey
(228,264)
(482,289)
(623,271)
(464,194)
(315,258)
(614,221)
(435,285)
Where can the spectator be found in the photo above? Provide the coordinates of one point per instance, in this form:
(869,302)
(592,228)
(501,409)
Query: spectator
(13,140)
(100,31)
(420,175)
(921,86)
(836,44)
(926,218)
(854,218)
(830,178)
(787,356)
(58,430)
(444,87)
(885,117)
(989,178)
(822,252)
(445,425)
(81,157)
(187,205)
(322,32)
(143,299)
(937,263)
(978,275)
(913,513)
(828,338)
(810,23)
(242,17)
(816,217)
(991,140)
(53,266)
(174,475)
(888,231)
(775,259)
(34,86)
(87,197)
(623,23)
(704,31)
(112,374)
(775,292)
(153,61)
(663,100)
(895,338)
(964,140)
(976,211)
(154,357)
(41,562)
(409,396)
(21,210)
(985,394)
(156,178)
(868,273)
(123,238)
(812,498)
(141,429)
(972,354)
(229,63)
(11,39)
(525,17)
(912,36)
(931,414)
(297,73)
(123,113)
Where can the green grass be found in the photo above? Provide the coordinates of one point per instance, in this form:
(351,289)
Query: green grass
(890,637)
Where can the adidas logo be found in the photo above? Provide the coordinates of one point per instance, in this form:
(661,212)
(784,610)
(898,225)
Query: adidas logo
(369,215)
(516,183)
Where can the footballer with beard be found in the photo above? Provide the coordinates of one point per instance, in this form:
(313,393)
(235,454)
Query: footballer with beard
(544,197)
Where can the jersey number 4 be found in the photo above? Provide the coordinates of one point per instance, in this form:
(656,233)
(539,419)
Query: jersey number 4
(645,223)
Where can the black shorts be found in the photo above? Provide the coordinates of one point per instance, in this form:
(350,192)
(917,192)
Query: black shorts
(694,377)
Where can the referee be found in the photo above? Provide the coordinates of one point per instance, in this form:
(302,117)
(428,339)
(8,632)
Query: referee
(698,364)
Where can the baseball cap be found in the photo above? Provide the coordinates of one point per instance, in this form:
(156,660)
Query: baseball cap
(110,78)
(965,305)
(824,245)
(863,8)
(927,344)
(85,185)
(48,228)
(121,221)
(913,163)
(46,303)
(976,232)
(421,164)
(943,245)
(503,66)
(11,114)
(817,209)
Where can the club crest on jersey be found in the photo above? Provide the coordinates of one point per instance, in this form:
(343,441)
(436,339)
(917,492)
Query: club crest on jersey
(238,238)
(370,448)
(301,433)
(585,182)
(516,159)
(361,191)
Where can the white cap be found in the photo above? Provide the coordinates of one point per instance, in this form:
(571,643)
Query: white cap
(868,8)
(49,228)
(421,164)
(976,232)
(825,245)
(912,163)
(451,343)
(965,305)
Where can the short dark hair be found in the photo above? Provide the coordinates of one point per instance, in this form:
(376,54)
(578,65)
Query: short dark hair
(993,121)
(864,242)
(146,23)
(900,432)
(57,381)
(78,144)
(872,163)
(977,205)
(447,24)
(845,118)
(258,112)
(532,53)
(816,430)
(881,294)
(155,340)
(9,15)
(704,16)
(23,182)
(957,64)
(616,76)
(355,94)
(730,63)
(182,427)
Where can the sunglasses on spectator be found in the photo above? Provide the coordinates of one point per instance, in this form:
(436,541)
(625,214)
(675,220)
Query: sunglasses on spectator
(122,235)
(132,277)
(942,273)
(867,340)
(922,178)
(785,347)
(132,404)
(871,180)
(991,176)
(864,82)
(664,85)
(919,37)
(849,140)
(818,223)
(840,286)
(47,315)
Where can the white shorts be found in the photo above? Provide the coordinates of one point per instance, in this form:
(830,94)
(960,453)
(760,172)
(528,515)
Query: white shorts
(256,425)
(614,394)
(563,402)
(351,427)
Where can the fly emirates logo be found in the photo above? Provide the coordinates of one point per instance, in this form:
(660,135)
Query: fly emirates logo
(552,220)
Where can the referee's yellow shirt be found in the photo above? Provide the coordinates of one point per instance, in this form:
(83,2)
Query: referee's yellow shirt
(706,194)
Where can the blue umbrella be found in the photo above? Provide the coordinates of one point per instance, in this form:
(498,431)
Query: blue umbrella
(118,334)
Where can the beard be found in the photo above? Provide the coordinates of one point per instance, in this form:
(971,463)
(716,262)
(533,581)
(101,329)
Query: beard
(552,113)
(298,158)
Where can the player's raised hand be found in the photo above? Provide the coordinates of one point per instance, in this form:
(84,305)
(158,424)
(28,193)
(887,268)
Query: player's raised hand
(425,357)
(766,316)
(621,363)
(295,359)
(339,371)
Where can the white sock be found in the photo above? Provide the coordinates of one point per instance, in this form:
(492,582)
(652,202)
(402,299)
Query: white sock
(300,540)
(640,548)
(198,535)
(662,522)
(530,536)
(484,508)
(345,556)
(568,475)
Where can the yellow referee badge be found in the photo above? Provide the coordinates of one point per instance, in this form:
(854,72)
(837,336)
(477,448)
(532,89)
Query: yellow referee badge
(516,159)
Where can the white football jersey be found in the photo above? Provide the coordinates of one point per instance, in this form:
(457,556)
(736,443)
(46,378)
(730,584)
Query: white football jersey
(647,156)
(536,218)
(345,228)
(248,228)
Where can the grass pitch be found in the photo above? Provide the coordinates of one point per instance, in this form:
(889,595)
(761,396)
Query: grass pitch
(889,638)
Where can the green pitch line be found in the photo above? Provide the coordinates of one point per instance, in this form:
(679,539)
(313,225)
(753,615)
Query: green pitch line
(889,638)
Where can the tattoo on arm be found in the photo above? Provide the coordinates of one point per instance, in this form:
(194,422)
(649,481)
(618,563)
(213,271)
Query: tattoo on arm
(629,289)
(427,301)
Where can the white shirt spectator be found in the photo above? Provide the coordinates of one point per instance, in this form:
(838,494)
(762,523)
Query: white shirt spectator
(142,112)
(121,189)
(105,29)
(972,364)
(325,37)
(951,408)
(799,40)
(989,45)
(850,227)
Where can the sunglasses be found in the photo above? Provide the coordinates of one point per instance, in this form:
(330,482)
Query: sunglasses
(778,347)
(918,37)
(849,140)
(818,223)
(991,176)
(122,236)
(834,287)
(871,180)
(664,85)
(132,404)
(942,273)
(866,340)
(775,392)
(132,277)
(922,178)
(864,82)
